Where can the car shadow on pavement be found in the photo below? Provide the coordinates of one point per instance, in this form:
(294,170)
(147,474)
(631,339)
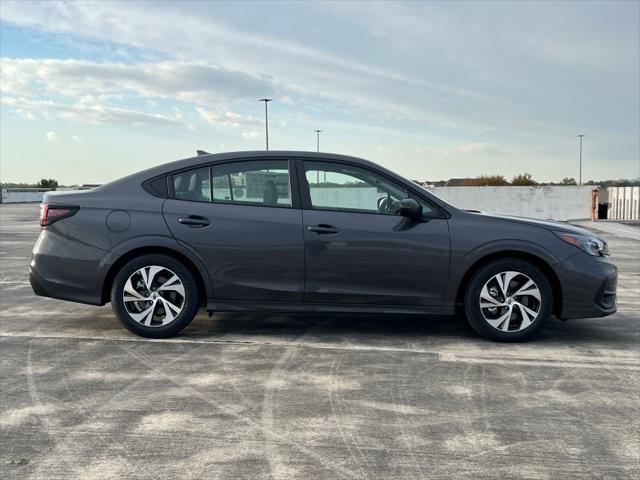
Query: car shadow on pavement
(396,327)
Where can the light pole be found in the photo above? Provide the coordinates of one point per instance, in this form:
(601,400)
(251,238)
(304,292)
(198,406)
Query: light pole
(580,171)
(266,119)
(317,140)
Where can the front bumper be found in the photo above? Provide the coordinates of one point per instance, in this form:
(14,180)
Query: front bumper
(588,286)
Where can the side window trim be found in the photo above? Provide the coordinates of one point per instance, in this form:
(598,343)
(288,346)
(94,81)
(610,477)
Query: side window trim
(305,191)
(228,183)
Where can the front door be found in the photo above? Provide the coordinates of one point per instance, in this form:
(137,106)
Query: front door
(359,250)
(243,219)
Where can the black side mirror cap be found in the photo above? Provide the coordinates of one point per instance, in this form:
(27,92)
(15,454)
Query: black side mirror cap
(411,209)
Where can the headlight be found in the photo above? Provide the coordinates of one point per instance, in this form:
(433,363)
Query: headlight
(591,245)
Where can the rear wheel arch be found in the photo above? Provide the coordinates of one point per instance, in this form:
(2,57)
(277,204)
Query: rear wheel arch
(136,252)
(539,262)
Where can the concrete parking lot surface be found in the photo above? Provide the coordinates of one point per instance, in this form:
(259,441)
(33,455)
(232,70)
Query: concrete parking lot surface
(312,396)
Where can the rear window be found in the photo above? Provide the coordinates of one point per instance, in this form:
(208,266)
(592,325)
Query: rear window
(192,185)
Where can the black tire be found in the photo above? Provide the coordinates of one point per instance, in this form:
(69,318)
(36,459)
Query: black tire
(475,315)
(189,302)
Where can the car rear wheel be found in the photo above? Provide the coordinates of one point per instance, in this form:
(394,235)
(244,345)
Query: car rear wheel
(508,300)
(154,296)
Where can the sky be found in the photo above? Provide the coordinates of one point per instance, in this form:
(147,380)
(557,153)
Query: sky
(92,91)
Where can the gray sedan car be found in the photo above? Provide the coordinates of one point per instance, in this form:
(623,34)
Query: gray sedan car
(308,232)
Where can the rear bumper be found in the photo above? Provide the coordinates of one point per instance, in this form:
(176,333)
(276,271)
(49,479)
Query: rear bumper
(588,286)
(65,269)
(62,290)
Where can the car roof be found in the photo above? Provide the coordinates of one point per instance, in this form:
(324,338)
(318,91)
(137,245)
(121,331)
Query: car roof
(259,154)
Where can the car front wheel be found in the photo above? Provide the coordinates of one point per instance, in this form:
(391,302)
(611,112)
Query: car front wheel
(154,296)
(508,300)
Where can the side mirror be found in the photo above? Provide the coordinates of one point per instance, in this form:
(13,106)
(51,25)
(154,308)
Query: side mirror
(411,209)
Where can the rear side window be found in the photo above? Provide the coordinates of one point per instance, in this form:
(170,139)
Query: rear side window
(156,186)
(263,183)
(192,185)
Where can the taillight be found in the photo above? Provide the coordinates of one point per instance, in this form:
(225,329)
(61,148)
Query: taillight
(53,213)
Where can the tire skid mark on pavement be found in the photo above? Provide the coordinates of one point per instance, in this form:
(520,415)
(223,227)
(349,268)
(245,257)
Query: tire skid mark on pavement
(550,360)
(268,405)
(34,396)
(337,413)
(401,394)
(177,380)
(53,453)
(574,362)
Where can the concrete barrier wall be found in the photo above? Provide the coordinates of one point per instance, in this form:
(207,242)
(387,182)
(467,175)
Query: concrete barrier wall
(355,197)
(23,195)
(624,203)
(33,195)
(553,202)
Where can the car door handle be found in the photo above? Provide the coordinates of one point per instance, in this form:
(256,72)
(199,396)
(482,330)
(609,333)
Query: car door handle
(194,221)
(324,229)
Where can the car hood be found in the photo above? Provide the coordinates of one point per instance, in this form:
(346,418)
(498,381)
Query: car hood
(546,224)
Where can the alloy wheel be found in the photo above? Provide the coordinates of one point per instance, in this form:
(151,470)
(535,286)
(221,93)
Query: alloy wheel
(510,301)
(153,296)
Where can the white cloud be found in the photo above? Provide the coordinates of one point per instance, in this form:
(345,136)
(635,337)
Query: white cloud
(242,58)
(93,87)
(52,136)
(76,139)
(90,110)
(25,114)
(226,118)
(464,150)
(583,51)
(475,148)
(251,135)
(195,35)
(202,84)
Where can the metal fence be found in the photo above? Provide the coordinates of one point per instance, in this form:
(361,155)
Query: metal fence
(624,203)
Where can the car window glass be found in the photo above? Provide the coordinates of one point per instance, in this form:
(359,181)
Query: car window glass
(192,185)
(335,186)
(264,183)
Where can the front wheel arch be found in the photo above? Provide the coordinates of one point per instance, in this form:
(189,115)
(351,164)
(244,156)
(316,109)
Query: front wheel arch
(537,261)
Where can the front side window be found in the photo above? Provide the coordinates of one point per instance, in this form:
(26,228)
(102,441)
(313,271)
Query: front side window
(192,185)
(335,186)
(262,183)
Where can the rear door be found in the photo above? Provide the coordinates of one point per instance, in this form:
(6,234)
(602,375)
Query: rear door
(243,219)
(358,249)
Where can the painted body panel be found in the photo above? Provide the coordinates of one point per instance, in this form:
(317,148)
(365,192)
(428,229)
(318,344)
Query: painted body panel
(251,253)
(379,259)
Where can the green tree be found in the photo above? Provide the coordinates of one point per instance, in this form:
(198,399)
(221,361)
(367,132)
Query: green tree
(48,183)
(486,180)
(568,181)
(523,179)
